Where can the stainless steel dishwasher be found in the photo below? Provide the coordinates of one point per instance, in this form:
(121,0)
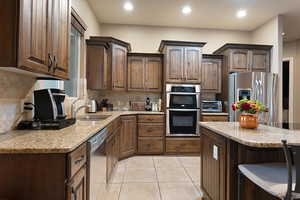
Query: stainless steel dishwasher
(96,167)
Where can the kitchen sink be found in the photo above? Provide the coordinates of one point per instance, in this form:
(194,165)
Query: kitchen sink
(93,117)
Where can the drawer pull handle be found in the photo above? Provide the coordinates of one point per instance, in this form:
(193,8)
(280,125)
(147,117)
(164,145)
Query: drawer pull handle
(79,160)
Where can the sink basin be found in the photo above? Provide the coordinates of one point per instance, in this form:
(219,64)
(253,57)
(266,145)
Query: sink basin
(93,117)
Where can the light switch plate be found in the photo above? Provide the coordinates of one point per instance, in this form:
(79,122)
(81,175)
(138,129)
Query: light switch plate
(215,152)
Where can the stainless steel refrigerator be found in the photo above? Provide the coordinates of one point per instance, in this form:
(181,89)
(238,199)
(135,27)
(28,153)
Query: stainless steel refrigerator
(259,86)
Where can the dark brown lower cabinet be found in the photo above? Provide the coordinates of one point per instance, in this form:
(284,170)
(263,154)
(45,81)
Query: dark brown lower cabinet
(213,163)
(220,158)
(77,186)
(183,145)
(128,136)
(43,176)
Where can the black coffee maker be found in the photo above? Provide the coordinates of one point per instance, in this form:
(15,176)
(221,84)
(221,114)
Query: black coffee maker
(49,104)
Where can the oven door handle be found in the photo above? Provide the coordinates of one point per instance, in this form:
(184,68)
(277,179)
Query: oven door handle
(185,110)
(184,93)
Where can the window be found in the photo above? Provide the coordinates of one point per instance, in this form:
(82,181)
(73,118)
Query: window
(71,86)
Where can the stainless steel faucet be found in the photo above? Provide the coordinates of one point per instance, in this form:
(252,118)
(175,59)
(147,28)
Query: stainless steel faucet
(75,111)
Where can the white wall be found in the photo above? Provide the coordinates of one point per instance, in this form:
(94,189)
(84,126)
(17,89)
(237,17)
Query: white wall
(147,38)
(84,10)
(292,50)
(270,33)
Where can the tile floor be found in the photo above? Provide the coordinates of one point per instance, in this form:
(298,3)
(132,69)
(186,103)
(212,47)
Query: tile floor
(155,178)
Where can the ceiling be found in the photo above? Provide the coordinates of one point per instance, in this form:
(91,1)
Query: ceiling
(215,14)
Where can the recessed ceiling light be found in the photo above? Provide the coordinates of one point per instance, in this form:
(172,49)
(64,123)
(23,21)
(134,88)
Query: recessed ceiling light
(186,10)
(128,6)
(241,13)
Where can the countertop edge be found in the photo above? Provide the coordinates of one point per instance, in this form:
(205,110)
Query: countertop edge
(71,148)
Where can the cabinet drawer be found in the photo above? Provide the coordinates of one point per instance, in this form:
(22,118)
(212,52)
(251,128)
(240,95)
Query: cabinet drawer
(214,118)
(151,118)
(178,145)
(151,129)
(150,145)
(76,160)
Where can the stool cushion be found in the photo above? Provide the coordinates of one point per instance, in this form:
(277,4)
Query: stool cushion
(271,177)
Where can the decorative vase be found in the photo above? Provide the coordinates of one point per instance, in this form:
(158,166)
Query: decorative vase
(248,121)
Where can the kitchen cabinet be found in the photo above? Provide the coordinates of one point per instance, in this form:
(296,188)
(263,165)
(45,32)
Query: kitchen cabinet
(107,63)
(183,145)
(242,58)
(44,176)
(213,165)
(77,187)
(151,134)
(36,36)
(128,136)
(214,118)
(246,57)
(144,72)
(211,74)
(182,61)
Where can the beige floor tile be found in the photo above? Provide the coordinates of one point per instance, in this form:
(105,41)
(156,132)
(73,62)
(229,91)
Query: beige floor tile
(194,173)
(190,161)
(197,185)
(118,175)
(109,192)
(166,162)
(140,191)
(179,191)
(140,162)
(172,175)
(140,175)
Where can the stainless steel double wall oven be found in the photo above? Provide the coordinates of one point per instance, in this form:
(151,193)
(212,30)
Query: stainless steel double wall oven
(182,109)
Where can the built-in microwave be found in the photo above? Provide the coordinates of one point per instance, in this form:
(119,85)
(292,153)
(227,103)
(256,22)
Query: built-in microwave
(212,106)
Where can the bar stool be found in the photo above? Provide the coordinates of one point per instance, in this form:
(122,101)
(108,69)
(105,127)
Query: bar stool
(281,180)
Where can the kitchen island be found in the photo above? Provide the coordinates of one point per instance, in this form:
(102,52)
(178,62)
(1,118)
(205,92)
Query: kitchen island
(225,145)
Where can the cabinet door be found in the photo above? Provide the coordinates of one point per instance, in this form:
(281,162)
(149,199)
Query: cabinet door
(153,74)
(260,60)
(128,136)
(97,72)
(213,165)
(119,67)
(61,24)
(192,65)
(35,31)
(174,64)
(136,66)
(239,60)
(77,186)
(211,75)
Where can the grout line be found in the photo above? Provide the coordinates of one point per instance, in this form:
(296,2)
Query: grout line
(160,195)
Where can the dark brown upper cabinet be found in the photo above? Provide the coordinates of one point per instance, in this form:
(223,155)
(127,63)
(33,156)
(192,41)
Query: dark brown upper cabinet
(144,72)
(246,57)
(182,61)
(211,73)
(36,36)
(107,63)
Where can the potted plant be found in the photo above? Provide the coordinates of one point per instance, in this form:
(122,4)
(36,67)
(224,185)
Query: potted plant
(249,112)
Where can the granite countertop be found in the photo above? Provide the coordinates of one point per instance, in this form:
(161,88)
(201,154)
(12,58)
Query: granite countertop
(263,137)
(57,141)
(217,114)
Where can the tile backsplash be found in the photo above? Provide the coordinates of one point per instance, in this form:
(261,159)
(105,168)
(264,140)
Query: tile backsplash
(122,98)
(14,88)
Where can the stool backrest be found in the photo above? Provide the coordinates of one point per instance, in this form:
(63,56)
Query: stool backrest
(292,156)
